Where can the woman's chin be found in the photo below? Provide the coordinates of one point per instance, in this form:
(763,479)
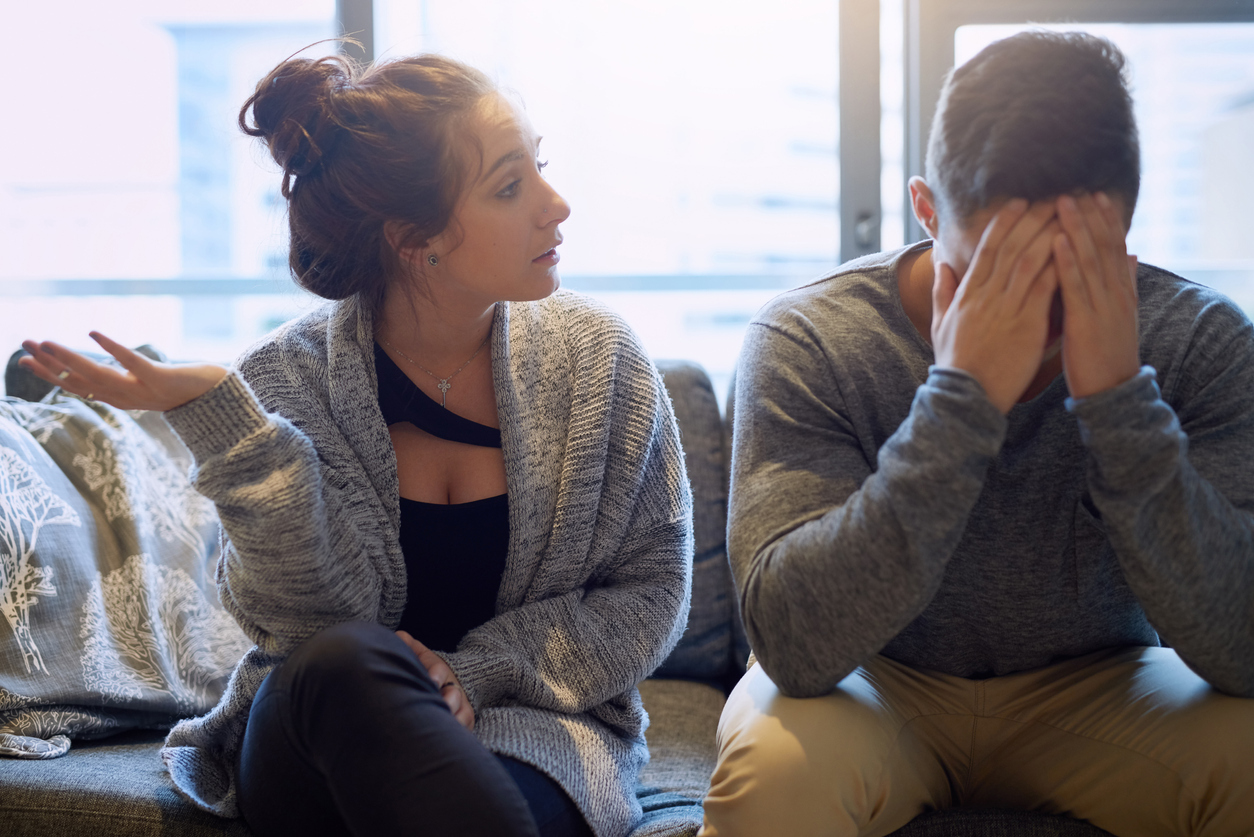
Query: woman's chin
(540,290)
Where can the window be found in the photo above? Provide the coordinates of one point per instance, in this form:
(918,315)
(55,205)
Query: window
(714,153)
(1193,91)
(129,199)
(696,143)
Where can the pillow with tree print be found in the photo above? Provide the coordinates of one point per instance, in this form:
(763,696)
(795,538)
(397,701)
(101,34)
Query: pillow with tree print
(111,616)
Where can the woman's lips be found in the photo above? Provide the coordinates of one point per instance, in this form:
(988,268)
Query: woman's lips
(551,257)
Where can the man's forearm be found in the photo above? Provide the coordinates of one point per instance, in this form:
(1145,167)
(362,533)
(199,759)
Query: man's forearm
(1186,550)
(821,594)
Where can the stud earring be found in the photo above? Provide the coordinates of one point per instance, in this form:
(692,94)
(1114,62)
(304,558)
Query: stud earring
(432,260)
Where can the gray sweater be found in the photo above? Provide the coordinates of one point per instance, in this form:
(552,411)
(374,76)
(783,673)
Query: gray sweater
(294,451)
(882,506)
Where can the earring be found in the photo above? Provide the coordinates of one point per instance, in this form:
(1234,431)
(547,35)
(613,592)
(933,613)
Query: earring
(432,260)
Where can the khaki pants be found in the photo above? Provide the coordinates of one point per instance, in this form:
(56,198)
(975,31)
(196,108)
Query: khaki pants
(1130,739)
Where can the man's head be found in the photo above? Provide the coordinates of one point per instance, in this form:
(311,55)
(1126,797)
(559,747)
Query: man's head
(1034,116)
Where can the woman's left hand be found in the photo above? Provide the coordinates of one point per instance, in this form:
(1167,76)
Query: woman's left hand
(141,384)
(444,679)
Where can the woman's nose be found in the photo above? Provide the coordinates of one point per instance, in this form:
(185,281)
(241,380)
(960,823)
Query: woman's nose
(556,209)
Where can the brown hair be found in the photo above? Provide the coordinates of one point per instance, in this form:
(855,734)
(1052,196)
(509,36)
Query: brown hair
(1034,116)
(360,147)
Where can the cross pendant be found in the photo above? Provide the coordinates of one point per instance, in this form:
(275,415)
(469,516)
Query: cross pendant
(444,386)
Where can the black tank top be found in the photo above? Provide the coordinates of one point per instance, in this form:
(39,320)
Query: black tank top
(454,553)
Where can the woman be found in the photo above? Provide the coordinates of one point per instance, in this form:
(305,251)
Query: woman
(453,499)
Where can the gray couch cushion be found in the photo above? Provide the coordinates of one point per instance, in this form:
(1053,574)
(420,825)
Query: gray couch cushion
(118,786)
(706,649)
(683,718)
(115,786)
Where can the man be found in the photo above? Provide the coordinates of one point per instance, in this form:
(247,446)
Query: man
(963,513)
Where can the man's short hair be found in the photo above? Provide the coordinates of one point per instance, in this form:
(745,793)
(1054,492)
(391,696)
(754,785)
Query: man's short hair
(1034,116)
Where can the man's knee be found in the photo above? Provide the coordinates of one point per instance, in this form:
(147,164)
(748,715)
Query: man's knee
(817,766)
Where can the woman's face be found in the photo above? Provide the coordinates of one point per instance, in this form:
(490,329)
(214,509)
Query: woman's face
(502,242)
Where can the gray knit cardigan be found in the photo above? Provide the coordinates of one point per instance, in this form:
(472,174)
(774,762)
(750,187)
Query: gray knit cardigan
(596,584)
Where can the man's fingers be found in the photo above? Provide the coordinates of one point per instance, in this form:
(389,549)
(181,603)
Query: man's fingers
(1075,291)
(1107,231)
(466,716)
(985,257)
(1074,215)
(1031,262)
(944,286)
(1041,295)
(459,705)
(436,667)
(1018,240)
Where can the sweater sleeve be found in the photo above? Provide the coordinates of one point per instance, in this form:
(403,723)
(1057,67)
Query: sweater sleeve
(833,557)
(1176,495)
(286,568)
(576,651)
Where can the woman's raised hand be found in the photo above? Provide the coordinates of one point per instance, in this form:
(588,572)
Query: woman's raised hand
(144,385)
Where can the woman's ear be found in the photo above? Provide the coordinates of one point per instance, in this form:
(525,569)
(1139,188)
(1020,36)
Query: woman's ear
(923,202)
(410,252)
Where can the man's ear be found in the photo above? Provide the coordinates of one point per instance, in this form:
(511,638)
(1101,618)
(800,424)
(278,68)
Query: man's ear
(407,251)
(923,202)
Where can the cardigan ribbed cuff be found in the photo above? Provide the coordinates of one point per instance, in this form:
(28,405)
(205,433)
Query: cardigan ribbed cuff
(213,423)
(480,675)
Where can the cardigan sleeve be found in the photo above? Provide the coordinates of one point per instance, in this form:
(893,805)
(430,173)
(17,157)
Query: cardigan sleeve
(292,561)
(577,650)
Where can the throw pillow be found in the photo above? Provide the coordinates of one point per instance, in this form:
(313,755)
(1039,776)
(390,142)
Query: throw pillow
(106,577)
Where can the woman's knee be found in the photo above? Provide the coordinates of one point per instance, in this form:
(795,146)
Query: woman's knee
(348,657)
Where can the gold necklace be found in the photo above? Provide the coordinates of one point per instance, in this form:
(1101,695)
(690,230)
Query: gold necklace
(442,383)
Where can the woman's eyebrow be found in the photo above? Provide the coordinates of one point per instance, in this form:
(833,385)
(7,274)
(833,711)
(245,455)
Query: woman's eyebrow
(518,154)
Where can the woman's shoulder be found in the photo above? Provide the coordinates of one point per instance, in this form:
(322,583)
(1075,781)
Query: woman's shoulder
(588,325)
(303,339)
(571,335)
(291,358)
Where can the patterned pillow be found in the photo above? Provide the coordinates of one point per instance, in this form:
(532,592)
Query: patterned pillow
(111,617)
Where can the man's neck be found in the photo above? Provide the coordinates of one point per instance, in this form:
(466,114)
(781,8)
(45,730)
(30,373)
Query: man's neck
(914,284)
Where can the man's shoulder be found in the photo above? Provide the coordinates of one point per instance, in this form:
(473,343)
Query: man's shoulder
(858,297)
(1176,313)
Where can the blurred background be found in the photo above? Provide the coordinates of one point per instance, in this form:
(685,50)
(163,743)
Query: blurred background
(715,152)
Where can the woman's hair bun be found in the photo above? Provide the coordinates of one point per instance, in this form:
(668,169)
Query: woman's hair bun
(362,147)
(293,111)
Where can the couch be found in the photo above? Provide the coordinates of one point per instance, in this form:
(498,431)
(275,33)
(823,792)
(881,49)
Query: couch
(117,785)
